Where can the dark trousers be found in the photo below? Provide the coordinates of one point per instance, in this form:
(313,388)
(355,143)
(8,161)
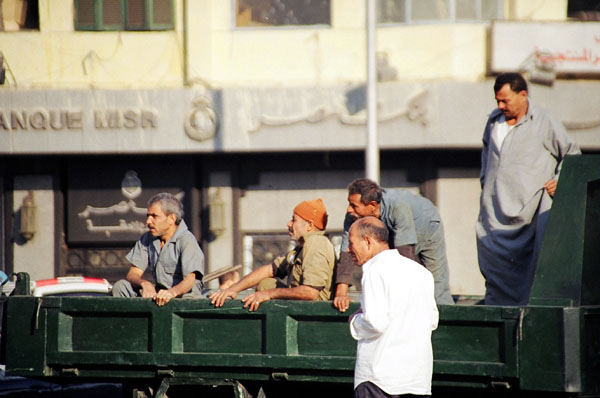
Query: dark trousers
(369,390)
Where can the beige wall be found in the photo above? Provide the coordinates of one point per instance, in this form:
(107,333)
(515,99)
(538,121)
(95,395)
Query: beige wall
(60,57)
(277,193)
(243,56)
(206,49)
(275,197)
(458,202)
(220,250)
(536,10)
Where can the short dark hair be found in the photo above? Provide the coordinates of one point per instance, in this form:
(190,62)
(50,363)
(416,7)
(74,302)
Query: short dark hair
(169,204)
(373,227)
(368,190)
(516,81)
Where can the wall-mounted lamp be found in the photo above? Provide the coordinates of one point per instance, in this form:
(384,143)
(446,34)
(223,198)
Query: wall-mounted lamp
(216,213)
(28,216)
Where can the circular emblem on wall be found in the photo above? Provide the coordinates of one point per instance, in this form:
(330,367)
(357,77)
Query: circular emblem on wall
(131,186)
(201,121)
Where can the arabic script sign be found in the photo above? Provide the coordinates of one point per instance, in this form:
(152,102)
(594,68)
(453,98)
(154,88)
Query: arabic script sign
(570,47)
(106,200)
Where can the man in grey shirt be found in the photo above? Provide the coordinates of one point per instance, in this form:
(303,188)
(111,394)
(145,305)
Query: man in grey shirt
(415,230)
(523,149)
(169,250)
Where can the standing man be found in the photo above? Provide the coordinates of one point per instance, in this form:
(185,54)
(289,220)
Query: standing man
(169,250)
(415,230)
(523,149)
(308,267)
(396,317)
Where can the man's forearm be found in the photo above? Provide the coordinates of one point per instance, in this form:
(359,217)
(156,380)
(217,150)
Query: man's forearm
(253,278)
(295,293)
(341,289)
(345,269)
(134,276)
(184,286)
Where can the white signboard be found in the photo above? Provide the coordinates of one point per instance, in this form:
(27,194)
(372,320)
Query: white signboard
(568,47)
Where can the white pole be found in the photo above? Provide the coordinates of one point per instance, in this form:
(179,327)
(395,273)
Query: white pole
(372,149)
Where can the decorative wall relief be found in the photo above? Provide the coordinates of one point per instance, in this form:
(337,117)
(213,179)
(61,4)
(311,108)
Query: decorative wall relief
(131,188)
(109,207)
(350,111)
(201,121)
(131,218)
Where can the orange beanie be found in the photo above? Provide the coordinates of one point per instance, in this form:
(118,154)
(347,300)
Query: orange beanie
(313,210)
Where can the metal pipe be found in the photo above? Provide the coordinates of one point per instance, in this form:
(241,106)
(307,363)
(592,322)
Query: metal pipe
(185,44)
(372,149)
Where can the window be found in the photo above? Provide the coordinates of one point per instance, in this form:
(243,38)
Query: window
(421,11)
(584,10)
(18,15)
(124,14)
(268,13)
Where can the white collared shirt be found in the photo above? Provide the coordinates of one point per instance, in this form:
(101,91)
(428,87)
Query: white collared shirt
(394,330)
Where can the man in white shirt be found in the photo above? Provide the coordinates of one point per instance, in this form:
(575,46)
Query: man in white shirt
(397,315)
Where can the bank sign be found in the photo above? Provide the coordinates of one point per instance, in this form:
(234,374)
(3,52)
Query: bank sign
(106,121)
(411,115)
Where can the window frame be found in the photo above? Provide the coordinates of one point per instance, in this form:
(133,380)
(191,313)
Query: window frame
(451,15)
(99,26)
(234,10)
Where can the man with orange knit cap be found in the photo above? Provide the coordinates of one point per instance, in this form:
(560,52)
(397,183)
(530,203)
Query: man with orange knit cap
(308,267)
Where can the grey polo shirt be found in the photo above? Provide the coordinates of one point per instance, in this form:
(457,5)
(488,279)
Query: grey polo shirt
(407,217)
(180,256)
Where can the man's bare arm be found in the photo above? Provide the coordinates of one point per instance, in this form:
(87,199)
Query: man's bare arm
(134,276)
(343,278)
(303,292)
(165,295)
(250,280)
(341,301)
